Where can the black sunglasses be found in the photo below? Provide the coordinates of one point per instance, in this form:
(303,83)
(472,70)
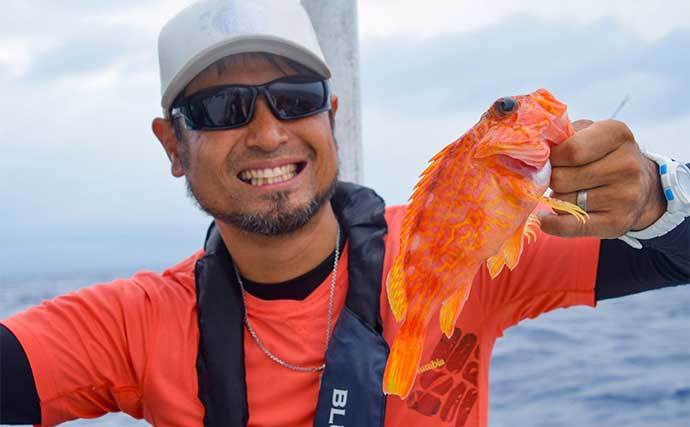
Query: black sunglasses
(232,106)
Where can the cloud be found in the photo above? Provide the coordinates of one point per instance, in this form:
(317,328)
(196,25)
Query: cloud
(49,40)
(646,19)
(81,55)
(592,66)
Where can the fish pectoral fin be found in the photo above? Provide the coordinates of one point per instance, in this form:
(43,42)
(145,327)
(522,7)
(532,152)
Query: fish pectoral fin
(566,207)
(397,295)
(451,308)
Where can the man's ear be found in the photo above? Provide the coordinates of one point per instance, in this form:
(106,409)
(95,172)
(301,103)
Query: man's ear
(332,111)
(334,104)
(163,129)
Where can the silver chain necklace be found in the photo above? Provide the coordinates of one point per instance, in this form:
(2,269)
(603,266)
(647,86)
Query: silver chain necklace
(331,295)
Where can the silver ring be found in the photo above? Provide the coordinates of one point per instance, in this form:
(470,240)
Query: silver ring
(582,199)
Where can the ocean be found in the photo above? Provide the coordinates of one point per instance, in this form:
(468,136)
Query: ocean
(625,363)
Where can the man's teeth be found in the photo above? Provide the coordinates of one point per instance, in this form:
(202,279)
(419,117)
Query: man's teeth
(269,176)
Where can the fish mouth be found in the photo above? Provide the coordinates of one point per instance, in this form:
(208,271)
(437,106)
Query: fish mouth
(521,154)
(516,165)
(540,175)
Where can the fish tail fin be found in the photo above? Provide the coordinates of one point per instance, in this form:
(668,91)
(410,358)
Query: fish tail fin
(404,358)
(397,295)
(451,308)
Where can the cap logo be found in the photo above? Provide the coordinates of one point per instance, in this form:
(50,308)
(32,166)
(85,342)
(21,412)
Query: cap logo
(223,20)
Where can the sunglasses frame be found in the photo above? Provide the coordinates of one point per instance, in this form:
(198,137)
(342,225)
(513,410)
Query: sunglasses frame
(181,108)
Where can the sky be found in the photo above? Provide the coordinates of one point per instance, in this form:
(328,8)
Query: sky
(85,185)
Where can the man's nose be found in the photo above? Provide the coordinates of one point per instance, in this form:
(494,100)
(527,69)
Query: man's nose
(265,131)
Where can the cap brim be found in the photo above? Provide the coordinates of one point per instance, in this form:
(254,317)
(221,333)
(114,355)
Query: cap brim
(236,45)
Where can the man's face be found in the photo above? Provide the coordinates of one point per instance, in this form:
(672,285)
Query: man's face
(227,171)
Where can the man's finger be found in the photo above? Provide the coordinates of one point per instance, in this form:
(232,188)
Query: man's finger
(598,224)
(566,179)
(591,143)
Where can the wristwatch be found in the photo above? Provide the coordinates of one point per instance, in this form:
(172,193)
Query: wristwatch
(675,181)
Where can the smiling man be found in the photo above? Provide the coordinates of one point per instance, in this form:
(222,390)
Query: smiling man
(281,319)
(260,177)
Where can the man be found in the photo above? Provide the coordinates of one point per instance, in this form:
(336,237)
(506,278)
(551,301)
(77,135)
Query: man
(282,319)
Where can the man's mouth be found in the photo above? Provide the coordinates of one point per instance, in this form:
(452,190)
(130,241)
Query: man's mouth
(267,176)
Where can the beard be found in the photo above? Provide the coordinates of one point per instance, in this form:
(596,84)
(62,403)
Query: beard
(279,219)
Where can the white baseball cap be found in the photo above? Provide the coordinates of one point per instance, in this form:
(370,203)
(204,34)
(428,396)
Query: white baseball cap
(209,30)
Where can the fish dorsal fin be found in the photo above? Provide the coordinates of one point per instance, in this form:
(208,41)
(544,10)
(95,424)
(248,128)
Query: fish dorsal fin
(395,281)
(395,287)
(510,252)
(423,190)
(421,193)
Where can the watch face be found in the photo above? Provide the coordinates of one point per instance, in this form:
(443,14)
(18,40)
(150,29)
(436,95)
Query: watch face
(683,176)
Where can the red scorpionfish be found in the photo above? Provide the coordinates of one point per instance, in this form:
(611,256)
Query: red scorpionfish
(474,203)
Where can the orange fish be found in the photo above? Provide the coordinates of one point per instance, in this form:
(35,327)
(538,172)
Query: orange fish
(474,203)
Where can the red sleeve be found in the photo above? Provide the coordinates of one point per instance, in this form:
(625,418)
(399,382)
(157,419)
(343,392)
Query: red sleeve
(553,272)
(87,349)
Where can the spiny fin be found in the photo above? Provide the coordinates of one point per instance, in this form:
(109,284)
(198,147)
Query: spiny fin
(395,288)
(451,308)
(510,252)
(532,227)
(512,248)
(395,281)
(422,190)
(567,207)
(508,255)
(403,360)
(495,265)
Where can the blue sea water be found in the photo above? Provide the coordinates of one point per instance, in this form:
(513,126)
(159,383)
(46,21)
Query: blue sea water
(625,363)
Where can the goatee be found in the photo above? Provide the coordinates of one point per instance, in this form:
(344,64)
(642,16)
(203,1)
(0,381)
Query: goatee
(278,219)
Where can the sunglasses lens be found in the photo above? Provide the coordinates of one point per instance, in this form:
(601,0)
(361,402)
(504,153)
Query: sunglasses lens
(292,99)
(228,107)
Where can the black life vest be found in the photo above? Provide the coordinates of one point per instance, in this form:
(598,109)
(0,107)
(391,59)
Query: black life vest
(351,384)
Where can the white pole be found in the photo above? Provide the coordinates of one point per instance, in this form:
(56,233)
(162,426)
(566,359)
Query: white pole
(335,22)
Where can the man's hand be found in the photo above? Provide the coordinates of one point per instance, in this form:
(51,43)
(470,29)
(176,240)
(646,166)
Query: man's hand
(623,187)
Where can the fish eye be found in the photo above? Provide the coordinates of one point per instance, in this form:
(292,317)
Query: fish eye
(506,105)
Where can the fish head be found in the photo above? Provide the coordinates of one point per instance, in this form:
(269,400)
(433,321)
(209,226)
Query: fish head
(517,133)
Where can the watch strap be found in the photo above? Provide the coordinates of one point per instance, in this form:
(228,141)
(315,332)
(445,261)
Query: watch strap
(675,210)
